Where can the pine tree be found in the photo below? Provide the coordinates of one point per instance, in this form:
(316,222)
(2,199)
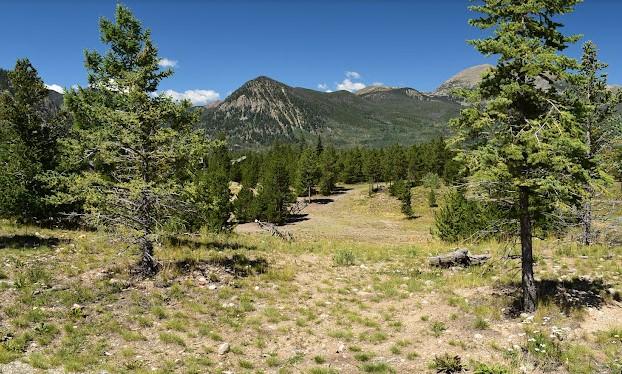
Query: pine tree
(28,147)
(307,173)
(406,200)
(243,205)
(14,171)
(521,142)
(395,164)
(372,167)
(274,196)
(319,147)
(352,166)
(250,169)
(328,171)
(212,199)
(135,144)
(595,104)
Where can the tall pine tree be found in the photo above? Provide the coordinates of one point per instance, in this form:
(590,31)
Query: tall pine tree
(595,107)
(30,129)
(522,144)
(133,143)
(307,173)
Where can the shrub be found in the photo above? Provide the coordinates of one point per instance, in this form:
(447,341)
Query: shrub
(432,199)
(344,257)
(481,368)
(459,218)
(447,364)
(431,181)
(401,190)
(480,324)
(546,352)
(438,328)
(378,367)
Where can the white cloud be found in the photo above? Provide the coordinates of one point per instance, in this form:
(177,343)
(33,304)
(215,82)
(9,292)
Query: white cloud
(324,87)
(55,87)
(196,97)
(348,85)
(167,63)
(353,75)
(377,84)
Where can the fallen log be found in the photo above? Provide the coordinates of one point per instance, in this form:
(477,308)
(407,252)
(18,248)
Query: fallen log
(271,228)
(459,257)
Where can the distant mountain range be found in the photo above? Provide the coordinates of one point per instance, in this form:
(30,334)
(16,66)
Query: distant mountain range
(263,111)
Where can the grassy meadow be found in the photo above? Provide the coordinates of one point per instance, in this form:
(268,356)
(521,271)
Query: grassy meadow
(353,293)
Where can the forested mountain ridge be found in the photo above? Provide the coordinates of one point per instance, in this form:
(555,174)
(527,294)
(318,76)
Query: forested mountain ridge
(263,111)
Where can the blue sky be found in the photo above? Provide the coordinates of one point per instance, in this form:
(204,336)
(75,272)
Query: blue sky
(218,45)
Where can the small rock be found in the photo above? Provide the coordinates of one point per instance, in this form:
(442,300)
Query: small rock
(341,348)
(212,287)
(478,336)
(223,348)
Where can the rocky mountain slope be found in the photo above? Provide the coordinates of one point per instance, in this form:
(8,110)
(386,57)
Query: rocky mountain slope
(467,78)
(263,111)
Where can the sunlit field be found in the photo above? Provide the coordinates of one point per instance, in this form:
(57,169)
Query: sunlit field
(349,294)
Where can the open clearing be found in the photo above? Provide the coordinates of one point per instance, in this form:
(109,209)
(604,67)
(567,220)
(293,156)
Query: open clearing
(353,293)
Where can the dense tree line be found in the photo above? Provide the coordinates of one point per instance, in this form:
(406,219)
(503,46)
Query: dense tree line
(308,169)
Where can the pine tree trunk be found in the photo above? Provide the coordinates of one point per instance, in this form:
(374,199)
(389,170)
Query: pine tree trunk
(148,264)
(586,220)
(586,216)
(528,282)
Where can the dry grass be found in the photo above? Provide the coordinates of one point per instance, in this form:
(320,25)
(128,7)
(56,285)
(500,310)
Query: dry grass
(353,293)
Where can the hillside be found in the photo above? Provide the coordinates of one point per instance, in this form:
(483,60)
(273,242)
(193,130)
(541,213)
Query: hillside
(263,111)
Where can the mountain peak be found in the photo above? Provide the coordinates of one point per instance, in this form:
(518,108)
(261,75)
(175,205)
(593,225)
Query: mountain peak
(372,89)
(467,78)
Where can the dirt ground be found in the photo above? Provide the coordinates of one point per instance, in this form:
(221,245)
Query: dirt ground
(352,293)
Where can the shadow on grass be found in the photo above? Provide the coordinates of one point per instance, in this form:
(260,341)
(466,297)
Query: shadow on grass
(293,218)
(197,244)
(412,217)
(322,201)
(572,294)
(29,241)
(340,190)
(237,264)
